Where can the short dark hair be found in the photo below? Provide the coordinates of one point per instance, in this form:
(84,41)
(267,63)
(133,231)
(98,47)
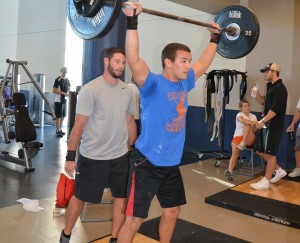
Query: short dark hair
(170,50)
(109,52)
(243,102)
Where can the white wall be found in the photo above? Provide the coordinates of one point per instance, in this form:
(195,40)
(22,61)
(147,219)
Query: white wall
(155,32)
(41,37)
(35,33)
(278,43)
(8,32)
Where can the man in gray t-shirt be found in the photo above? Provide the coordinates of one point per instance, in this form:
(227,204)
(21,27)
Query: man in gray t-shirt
(105,128)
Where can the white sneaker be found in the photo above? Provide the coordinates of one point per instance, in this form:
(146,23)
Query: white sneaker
(241,146)
(295,172)
(262,184)
(280,173)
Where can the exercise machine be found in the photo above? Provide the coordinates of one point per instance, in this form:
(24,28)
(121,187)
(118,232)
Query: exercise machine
(14,114)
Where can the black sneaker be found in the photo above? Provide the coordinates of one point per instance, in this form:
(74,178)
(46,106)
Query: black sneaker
(63,133)
(63,238)
(58,134)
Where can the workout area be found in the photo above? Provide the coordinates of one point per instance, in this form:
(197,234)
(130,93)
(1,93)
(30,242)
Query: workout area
(145,121)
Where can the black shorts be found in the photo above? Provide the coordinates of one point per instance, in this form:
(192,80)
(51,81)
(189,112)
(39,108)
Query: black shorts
(96,174)
(147,180)
(60,109)
(271,141)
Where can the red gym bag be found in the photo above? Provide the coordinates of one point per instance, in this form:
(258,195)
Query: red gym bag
(64,190)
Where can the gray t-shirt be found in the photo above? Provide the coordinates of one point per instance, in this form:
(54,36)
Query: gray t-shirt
(107,106)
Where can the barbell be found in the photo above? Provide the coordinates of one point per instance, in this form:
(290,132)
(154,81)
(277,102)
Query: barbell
(92,19)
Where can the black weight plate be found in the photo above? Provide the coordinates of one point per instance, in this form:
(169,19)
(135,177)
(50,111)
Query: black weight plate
(94,27)
(246,21)
(89,10)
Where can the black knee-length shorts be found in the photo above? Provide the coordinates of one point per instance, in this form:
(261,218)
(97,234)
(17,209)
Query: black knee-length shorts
(147,180)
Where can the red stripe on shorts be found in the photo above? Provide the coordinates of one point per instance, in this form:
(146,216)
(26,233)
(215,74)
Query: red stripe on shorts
(129,210)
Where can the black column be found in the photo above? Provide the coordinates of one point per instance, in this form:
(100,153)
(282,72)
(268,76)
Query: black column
(93,49)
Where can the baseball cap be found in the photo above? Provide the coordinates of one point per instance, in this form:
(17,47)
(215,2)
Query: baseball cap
(271,66)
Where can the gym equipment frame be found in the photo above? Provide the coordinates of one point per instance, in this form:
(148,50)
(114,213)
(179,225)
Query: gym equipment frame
(29,147)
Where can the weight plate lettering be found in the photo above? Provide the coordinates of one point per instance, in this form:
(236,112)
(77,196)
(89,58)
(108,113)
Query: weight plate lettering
(246,37)
(97,26)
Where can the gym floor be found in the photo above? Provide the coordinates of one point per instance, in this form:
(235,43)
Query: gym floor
(201,179)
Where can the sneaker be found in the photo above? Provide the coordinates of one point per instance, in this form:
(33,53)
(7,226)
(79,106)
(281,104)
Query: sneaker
(241,146)
(262,184)
(295,172)
(63,238)
(280,173)
(58,134)
(61,132)
(113,240)
(228,173)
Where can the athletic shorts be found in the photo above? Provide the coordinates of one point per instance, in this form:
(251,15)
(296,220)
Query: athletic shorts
(94,175)
(237,139)
(271,141)
(297,145)
(147,180)
(60,109)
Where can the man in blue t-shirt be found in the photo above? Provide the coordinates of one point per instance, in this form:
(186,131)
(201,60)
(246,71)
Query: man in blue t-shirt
(164,102)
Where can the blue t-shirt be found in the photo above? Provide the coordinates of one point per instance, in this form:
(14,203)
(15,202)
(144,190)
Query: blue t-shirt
(164,106)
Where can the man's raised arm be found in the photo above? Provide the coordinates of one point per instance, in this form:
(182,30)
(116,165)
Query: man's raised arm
(138,67)
(204,61)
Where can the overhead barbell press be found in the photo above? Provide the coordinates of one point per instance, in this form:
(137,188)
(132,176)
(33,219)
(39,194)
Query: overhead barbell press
(92,19)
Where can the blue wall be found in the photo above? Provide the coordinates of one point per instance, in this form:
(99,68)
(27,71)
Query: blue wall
(198,138)
(93,50)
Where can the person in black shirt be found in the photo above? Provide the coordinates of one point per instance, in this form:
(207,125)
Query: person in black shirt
(60,89)
(273,123)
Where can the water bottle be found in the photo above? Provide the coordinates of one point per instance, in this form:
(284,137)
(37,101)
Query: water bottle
(254,90)
(291,136)
(57,212)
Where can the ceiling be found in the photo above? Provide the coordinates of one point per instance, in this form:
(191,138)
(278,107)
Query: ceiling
(208,6)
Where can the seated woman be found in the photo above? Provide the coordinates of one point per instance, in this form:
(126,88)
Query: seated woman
(243,134)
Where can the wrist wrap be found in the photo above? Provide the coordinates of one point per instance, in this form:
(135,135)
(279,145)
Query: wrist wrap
(215,38)
(71,155)
(132,22)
